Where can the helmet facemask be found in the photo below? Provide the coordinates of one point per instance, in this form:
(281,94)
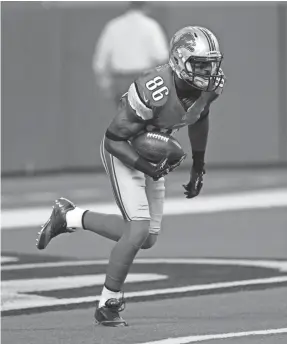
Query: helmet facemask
(203,73)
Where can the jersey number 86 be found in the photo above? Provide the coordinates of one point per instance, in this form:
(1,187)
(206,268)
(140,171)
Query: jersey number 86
(158,92)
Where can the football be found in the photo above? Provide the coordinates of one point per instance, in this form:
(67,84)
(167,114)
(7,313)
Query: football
(154,146)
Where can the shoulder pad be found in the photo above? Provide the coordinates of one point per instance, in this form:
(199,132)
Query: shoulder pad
(138,103)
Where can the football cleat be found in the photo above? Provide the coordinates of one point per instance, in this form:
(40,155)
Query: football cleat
(56,223)
(108,315)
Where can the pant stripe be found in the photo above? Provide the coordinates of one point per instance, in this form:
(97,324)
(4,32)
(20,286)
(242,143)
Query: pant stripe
(110,169)
(103,157)
(118,191)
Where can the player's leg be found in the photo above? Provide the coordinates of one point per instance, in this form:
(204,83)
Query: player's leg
(120,262)
(128,186)
(110,226)
(140,234)
(155,191)
(67,218)
(132,240)
(123,254)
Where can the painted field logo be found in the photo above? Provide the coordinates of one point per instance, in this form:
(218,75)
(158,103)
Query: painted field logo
(34,287)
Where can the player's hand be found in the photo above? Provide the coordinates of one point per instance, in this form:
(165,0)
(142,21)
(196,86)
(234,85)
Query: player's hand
(192,189)
(164,167)
(161,169)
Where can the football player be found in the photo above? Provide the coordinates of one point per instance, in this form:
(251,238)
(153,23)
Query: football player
(163,99)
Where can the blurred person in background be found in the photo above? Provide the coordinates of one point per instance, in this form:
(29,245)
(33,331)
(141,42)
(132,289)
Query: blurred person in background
(128,45)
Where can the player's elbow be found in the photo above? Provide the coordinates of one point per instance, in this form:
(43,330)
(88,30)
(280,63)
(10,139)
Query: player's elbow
(114,147)
(109,145)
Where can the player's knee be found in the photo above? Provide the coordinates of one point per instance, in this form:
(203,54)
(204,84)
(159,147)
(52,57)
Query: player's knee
(139,232)
(150,241)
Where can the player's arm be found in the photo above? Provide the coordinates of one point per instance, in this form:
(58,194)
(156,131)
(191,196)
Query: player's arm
(198,132)
(129,121)
(124,126)
(198,136)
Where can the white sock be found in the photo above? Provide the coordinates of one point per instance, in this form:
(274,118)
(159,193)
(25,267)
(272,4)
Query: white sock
(74,218)
(108,294)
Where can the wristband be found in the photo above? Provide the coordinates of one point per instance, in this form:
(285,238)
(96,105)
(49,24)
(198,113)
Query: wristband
(198,160)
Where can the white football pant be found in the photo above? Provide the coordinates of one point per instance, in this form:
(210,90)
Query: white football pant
(138,196)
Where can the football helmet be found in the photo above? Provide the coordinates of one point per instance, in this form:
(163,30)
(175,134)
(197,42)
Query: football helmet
(195,57)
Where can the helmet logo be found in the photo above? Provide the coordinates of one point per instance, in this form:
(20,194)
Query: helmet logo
(179,53)
(186,40)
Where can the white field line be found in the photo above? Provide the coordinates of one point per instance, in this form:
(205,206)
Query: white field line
(16,294)
(14,297)
(28,217)
(68,282)
(211,286)
(280,265)
(6,259)
(207,337)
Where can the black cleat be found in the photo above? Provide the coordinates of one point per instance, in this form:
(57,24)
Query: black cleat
(108,315)
(56,223)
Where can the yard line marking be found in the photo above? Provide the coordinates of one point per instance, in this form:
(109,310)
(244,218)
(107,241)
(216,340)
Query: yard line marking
(88,299)
(280,265)
(260,199)
(6,259)
(205,337)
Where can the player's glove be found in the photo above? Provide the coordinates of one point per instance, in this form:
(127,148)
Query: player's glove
(154,171)
(161,169)
(164,167)
(192,189)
